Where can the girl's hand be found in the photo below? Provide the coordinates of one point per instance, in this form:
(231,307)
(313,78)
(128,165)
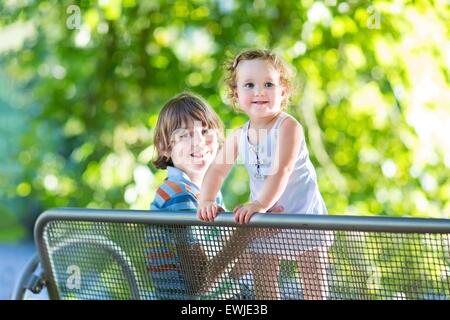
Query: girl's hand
(243,213)
(277,208)
(207,210)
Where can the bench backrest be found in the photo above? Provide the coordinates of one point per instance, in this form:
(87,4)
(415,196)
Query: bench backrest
(125,254)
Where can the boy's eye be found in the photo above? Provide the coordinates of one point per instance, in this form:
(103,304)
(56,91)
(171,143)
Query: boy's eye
(208,133)
(249,85)
(180,134)
(269,84)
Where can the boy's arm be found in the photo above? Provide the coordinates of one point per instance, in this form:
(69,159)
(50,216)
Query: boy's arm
(288,147)
(216,174)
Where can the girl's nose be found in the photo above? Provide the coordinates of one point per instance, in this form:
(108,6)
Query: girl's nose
(259,90)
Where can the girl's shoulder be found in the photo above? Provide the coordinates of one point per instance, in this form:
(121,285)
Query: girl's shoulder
(289,122)
(291,126)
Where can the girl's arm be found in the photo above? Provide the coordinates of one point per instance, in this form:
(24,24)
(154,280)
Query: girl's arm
(288,147)
(215,175)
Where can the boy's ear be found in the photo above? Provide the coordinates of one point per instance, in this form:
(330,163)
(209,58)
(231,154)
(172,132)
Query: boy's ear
(164,151)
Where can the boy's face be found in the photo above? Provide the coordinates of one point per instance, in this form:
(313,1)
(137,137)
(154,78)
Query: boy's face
(194,147)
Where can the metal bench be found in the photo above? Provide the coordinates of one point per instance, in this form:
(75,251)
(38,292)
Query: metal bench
(126,254)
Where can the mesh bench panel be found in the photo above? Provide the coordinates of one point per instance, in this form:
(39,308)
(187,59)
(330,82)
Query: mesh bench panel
(109,260)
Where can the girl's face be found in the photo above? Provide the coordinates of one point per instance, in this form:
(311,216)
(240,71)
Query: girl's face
(259,90)
(193,148)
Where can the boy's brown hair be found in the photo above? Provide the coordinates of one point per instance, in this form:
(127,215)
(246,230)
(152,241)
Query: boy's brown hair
(286,72)
(178,111)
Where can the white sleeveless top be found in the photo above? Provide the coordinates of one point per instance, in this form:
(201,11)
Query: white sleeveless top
(302,194)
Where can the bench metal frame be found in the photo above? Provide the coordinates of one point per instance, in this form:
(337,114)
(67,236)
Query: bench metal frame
(286,221)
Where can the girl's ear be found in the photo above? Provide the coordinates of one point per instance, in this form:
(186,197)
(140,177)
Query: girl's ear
(283,95)
(283,90)
(235,96)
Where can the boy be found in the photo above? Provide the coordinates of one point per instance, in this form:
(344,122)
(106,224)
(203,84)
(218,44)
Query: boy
(188,135)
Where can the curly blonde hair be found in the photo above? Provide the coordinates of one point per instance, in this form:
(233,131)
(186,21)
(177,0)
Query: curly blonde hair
(176,112)
(285,70)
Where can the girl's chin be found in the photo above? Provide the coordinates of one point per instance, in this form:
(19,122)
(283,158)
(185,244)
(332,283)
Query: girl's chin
(262,111)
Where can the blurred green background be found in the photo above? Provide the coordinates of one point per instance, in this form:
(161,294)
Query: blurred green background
(82,82)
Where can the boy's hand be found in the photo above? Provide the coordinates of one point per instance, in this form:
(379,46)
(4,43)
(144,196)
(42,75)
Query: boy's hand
(243,213)
(207,210)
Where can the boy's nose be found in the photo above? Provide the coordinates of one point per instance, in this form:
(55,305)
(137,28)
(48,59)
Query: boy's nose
(199,138)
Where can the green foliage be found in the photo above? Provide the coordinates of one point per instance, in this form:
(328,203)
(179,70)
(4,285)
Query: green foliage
(372,95)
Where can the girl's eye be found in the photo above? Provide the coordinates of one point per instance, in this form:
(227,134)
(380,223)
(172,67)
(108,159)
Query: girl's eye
(249,85)
(269,84)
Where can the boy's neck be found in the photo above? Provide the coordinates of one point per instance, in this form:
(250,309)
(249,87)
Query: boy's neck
(196,178)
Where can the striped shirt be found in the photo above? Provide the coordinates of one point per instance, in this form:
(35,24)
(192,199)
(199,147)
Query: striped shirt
(177,193)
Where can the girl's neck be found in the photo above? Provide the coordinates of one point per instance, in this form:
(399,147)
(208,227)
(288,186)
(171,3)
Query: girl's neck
(264,123)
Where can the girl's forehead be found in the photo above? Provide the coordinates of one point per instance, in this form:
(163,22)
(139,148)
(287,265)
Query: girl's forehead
(256,68)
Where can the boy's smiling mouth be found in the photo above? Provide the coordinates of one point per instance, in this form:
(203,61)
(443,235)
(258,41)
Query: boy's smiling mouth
(200,154)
